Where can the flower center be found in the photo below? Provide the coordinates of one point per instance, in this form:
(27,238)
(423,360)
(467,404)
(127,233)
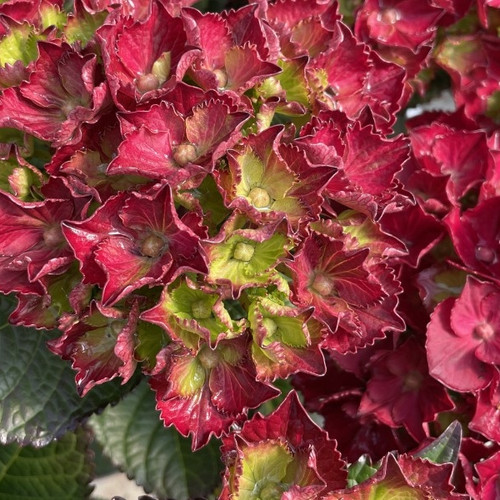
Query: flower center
(484,331)
(184,154)
(259,197)
(208,358)
(243,252)
(412,380)
(147,82)
(160,71)
(153,246)
(201,309)
(52,236)
(322,284)
(484,254)
(389,16)
(221,76)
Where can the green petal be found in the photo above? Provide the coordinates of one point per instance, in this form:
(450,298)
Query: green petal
(252,172)
(264,466)
(19,45)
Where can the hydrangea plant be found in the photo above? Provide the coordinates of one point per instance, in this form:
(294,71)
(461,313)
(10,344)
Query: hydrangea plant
(231,257)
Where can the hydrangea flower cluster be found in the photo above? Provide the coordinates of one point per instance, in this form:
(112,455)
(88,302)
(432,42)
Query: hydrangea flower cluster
(220,201)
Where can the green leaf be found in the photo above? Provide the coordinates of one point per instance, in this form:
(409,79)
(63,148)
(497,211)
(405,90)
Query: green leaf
(445,448)
(38,398)
(158,458)
(61,470)
(360,471)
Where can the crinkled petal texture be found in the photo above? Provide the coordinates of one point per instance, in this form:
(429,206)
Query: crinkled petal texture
(463,338)
(203,394)
(190,314)
(100,346)
(270,454)
(160,40)
(268,180)
(367,181)
(400,23)
(285,339)
(475,236)
(233,50)
(64,91)
(32,244)
(244,258)
(177,148)
(134,240)
(461,156)
(486,419)
(405,477)
(355,300)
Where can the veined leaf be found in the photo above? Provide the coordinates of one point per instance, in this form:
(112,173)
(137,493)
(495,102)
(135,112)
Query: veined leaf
(38,398)
(158,458)
(62,470)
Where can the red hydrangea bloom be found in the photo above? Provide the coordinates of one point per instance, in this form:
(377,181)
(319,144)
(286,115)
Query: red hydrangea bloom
(285,339)
(63,294)
(475,234)
(234,50)
(100,345)
(240,257)
(399,23)
(404,477)
(359,80)
(401,392)
(84,164)
(161,41)
(270,454)
(33,245)
(193,315)
(402,31)
(134,240)
(64,91)
(336,397)
(367,163)
(419,231)
(472,62)
(367,181)
(24,10)
(486,419)
(463,338)
(444,148)
(268,180)
(179,149)
(489,477)
(354,300)
(204,393)
(304,27)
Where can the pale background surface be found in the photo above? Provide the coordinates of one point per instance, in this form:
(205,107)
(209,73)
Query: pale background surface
(116,485)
